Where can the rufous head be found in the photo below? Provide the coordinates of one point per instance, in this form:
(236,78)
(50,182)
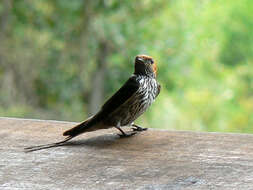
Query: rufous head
(145,65)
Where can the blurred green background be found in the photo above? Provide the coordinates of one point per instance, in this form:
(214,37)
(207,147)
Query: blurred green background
(62,59)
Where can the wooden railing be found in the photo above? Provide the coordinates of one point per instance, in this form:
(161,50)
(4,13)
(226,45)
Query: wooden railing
(154,159)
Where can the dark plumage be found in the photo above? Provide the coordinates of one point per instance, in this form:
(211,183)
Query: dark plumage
(125,106)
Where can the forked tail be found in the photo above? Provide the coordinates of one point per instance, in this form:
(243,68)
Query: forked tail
(45,146)
(71,133)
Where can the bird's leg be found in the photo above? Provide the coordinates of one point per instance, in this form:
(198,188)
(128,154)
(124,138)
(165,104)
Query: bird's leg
(138,128)
(123,133)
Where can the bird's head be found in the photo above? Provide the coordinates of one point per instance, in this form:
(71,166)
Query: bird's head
(145,65)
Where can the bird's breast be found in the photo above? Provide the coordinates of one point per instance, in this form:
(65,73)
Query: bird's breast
(140,101)
(137,104)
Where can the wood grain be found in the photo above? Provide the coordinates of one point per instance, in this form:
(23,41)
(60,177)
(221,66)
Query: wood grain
(155,159)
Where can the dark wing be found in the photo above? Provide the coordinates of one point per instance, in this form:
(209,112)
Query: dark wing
(159,89)
(119,98)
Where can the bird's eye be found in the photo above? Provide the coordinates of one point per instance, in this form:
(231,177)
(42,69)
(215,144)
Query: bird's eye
(151,61)
(139,59)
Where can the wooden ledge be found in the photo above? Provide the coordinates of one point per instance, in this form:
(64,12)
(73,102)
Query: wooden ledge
(155,159)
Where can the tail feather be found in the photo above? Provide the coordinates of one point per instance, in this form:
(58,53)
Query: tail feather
(45,146)
(90,124)
(80,128)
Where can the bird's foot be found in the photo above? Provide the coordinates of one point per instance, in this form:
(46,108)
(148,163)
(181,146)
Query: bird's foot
(123,135)
(138,128)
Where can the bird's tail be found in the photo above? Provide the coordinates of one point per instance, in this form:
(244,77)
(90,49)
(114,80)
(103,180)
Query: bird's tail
(46,146)
(89,125)
(80,128)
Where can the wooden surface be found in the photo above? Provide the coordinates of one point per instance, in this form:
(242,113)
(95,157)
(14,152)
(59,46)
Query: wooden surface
(155,159)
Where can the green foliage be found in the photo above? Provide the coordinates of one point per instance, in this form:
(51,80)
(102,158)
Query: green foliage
(51,53)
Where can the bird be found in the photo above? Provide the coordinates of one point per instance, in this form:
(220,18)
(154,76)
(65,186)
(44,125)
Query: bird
(124,107)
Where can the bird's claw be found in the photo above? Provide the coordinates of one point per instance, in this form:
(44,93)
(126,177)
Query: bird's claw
(127,134)
(137,128)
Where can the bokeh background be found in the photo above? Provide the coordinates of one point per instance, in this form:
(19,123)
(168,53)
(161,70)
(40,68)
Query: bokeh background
(61,59)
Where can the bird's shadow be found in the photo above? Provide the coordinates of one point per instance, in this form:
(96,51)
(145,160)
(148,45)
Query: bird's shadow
(98,141)
(102,141)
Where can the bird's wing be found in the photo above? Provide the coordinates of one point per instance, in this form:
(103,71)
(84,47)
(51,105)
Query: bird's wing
(158,91)
(120,97)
